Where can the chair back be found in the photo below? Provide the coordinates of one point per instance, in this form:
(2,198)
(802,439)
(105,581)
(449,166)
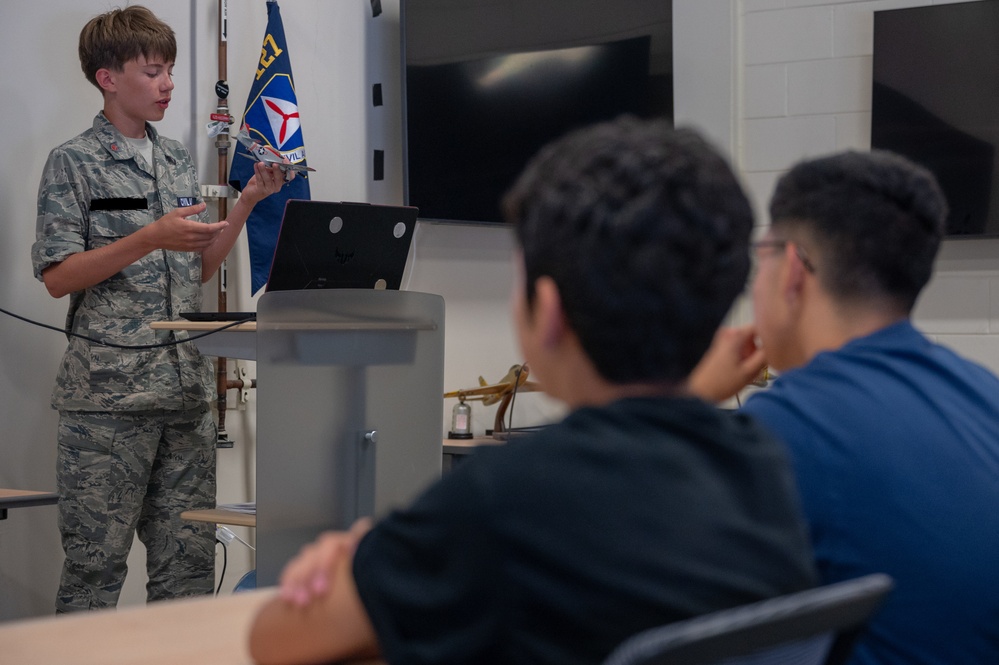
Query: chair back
(813,627)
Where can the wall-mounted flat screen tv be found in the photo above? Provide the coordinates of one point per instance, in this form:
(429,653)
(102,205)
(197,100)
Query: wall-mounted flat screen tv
(487,83)
(936,100)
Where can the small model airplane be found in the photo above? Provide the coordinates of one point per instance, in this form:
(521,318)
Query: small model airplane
(491,393)
(262,152)
(501,392)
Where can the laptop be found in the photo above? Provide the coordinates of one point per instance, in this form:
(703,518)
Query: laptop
(337,245)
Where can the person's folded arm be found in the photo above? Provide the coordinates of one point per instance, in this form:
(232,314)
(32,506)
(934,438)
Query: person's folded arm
(333,627)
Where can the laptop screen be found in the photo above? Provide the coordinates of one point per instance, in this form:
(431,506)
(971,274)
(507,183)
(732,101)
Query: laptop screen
(334,245)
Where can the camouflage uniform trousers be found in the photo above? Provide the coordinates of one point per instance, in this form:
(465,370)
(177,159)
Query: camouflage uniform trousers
(124,473)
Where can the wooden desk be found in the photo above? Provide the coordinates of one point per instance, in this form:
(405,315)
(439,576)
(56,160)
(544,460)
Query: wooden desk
(220,516)
(205,630)
(23,499)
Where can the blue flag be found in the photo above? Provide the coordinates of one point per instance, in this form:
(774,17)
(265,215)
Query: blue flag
(272,119)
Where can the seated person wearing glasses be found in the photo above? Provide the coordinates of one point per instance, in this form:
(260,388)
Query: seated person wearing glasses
(894,439)
(644,506)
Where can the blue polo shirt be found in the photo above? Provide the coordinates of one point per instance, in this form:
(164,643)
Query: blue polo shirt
(895,443)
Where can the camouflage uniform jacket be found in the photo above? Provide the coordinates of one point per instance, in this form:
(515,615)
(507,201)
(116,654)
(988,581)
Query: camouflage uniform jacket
(94,190)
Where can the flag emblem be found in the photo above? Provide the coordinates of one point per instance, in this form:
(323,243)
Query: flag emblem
(283,117)
(273,116)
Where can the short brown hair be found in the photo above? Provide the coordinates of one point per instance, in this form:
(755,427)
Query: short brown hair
(110,40)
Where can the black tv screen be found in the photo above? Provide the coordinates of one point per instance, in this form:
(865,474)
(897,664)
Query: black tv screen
(489,82)
(935,99)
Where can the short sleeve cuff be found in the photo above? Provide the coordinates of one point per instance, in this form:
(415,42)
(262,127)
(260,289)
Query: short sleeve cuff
(51,250)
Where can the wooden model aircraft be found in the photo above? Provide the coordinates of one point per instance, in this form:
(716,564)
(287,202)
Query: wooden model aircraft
(491,393)
(262,152)
(501,392)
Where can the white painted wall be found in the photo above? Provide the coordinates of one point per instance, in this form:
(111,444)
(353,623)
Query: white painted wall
(769,81)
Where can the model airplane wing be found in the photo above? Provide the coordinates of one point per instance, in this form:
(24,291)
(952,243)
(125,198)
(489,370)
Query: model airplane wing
(261,152)
(491,393)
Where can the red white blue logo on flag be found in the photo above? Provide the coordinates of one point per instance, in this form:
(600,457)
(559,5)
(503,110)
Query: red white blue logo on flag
(273,118)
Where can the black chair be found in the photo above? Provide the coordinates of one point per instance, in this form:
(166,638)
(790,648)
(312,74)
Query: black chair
(814,627)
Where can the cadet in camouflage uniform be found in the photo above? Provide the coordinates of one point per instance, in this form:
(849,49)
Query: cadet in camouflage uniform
(136,438)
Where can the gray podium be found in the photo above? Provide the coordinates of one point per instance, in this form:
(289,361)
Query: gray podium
(349,411)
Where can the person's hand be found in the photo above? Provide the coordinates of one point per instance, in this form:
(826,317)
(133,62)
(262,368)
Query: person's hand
(266,180)
(174,232)
(732,362)
(307,577)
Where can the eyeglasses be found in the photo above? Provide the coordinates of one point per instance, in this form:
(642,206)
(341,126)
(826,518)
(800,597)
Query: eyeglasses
(776,243)
(803,257)
(769,243)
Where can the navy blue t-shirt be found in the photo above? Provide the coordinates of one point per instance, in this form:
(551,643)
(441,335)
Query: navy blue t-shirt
(895,443)
(555,548)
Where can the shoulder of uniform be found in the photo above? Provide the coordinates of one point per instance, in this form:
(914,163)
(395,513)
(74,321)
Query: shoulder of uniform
(170,145)
(85,143)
